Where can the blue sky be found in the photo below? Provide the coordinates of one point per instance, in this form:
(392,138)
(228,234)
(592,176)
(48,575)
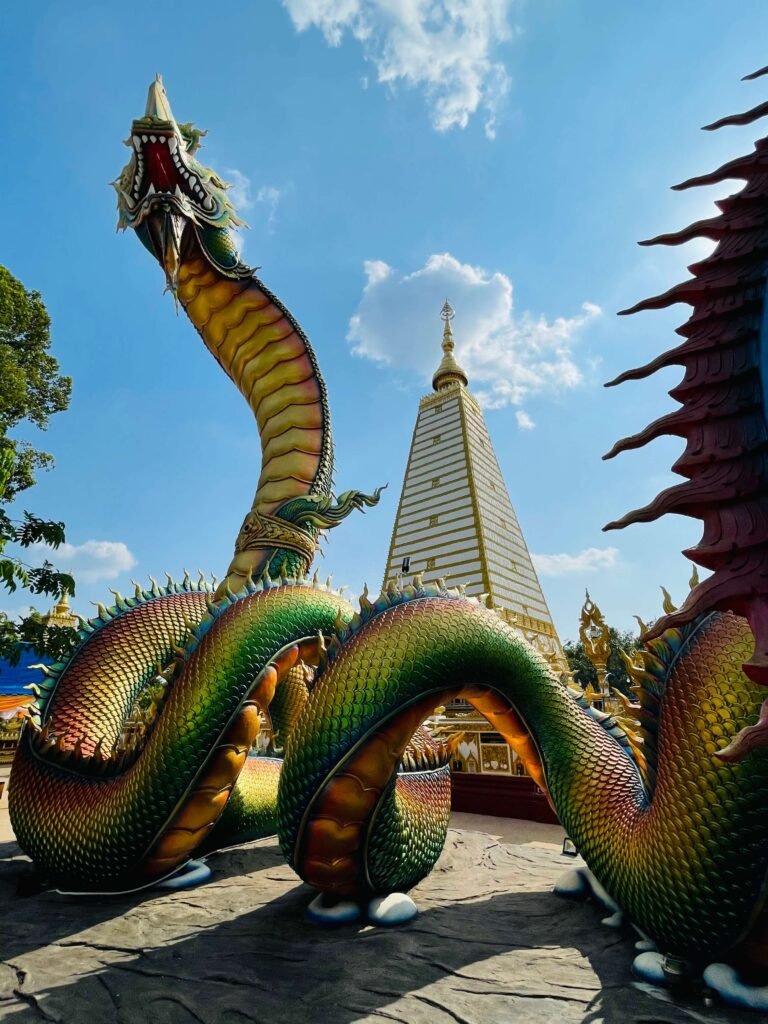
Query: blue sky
(385,153)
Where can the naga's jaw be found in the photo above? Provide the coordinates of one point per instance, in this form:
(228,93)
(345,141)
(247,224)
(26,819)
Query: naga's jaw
(163,231)
(162,175)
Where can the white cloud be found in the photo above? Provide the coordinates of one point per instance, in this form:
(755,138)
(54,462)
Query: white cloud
(445,47)
(243,199)
(589,560)
(524,421)
(509,357)
(15,612)
(270,196)
(239,189)
(94,560)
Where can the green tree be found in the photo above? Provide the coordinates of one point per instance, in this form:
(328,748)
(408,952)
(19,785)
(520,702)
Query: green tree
(31,390)
(583,669)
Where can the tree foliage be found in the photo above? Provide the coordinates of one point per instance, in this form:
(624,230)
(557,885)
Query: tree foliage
(56,641)
(584,671)
(31,390)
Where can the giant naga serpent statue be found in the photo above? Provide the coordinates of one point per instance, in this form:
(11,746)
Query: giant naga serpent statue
(673,829)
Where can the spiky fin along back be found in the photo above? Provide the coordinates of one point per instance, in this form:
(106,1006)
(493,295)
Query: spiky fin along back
(43,690)
(723,401)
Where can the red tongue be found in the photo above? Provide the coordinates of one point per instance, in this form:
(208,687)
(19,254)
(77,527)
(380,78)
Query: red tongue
(162,173)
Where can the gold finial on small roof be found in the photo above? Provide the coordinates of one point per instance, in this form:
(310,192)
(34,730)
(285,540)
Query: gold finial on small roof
(61,614)
(449,371)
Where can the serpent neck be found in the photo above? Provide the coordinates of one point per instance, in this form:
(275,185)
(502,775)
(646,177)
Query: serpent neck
(263,350)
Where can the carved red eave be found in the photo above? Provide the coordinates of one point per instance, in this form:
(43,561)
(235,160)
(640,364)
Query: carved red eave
(722,415)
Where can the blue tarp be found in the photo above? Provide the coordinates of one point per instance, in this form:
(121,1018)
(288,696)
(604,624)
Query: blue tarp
(13,678)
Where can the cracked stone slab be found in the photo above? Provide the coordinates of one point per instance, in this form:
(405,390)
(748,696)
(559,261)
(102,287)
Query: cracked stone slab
(491,945)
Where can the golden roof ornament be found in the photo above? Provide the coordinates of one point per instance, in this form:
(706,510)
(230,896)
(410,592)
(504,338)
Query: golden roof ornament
(594,634)
(62,615)
(448,372)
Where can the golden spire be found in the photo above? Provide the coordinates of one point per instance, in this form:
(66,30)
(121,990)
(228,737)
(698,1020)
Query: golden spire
(449,371)
(61,614)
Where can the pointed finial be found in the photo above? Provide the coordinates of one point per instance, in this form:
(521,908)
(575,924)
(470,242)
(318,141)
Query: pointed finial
(446,315)
(449,371)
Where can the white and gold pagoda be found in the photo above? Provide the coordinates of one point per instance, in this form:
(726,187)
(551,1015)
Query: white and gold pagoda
(455,522)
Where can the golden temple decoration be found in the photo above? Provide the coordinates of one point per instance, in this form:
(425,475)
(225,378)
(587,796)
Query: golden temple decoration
(10,731)
(594,634)
(61,615)
(590,693)
(449,371)
(595,637)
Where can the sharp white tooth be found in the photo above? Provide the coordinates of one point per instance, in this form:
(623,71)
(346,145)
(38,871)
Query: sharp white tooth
(172,144)
(161,138)
(137,142)
(208,202)
(151,189)
(177,192)
(153,138)
(144,138)
(185,173)
(193,181)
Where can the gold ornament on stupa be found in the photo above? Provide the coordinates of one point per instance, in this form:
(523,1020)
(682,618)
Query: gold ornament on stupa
(61,615)
(449,371)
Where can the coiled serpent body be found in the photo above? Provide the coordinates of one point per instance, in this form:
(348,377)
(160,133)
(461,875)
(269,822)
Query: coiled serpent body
(102,801)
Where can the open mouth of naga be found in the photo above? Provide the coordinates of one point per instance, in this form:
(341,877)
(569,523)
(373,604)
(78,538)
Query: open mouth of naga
(161,173)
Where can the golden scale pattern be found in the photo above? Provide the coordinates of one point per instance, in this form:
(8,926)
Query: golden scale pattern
(260,350)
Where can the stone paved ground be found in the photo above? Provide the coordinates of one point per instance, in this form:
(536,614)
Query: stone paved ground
(492,945)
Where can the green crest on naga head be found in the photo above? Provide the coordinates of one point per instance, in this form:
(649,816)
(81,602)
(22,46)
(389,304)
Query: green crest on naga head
(175,204)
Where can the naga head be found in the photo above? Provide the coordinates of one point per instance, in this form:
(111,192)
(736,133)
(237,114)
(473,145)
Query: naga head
(170,199)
